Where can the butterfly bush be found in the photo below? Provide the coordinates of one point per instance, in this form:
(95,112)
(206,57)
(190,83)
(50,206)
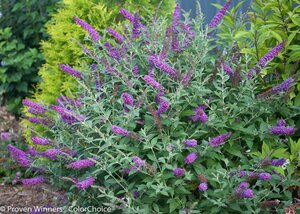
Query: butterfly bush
(175,125)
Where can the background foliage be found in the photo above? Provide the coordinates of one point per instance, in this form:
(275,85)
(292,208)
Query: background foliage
(256,31)
(63,48)
(22,29)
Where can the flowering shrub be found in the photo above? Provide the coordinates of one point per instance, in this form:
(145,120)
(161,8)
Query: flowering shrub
(161,125)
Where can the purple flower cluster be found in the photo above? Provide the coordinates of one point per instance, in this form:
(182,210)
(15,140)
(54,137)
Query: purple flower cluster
(190,158)
(243,190)
(116,35)
(264,176)
(216,141)
(135,70)
(227,70)
(281,129)
(69,70)
(92,32)
(199,114)
(281,122)
(278,162)
(138,161)
(85,183)
(119,131)
(19,155)
(271,54)
(190,143)
(40,141)
(36,120)
(113,52)
(203,186)
(38,108)
(4,136)
(127,100)
(136,26)
(187,77)
(68,116)
(219,16)
(81,164)
(51,153)
(152,82)
(63,100)
(179,172)
(283,87)
(136,194)
(127,15)
(163,66)
(176,17)
(163,106)
(32,152)
(33,181)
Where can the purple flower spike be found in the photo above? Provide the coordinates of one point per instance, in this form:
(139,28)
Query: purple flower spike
(264,176)
(136,194)
(219,16)
(163,66)
(152,82)
(40,141)
(190,158)
(19,155)
(52,153)
(244,185)
(136,26)
(85,183)
(228,70)
(219,140)
(190,143)
(5,136)
(283,87)
(138,161)
(281,122)
(199,114)
(135,70)
(92,32)
(163,106)
(32,152)
(248,193)
(115,34)
(179,172)
(271,54)
(33,181)
(69,70)
(176,17)
(119,131)
(278,162)
(281,130)
(128,100)
(33,105)
(203,186)
(127,15)
(36,120)
(81,164)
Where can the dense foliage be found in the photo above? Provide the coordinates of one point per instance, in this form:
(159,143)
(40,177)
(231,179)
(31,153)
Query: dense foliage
(165,121)
(265,24)
(22,29)
(64,34)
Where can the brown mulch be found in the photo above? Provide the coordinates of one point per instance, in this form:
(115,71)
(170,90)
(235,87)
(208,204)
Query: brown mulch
(23,199)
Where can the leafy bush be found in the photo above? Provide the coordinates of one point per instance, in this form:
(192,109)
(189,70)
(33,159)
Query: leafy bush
(262,27)
(20,34)
(163,123)
(63,48)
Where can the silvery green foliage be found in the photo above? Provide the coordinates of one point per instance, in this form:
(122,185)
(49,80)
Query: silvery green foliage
(141,101)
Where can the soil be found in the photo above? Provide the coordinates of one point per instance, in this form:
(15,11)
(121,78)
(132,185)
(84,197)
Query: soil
(25,199)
